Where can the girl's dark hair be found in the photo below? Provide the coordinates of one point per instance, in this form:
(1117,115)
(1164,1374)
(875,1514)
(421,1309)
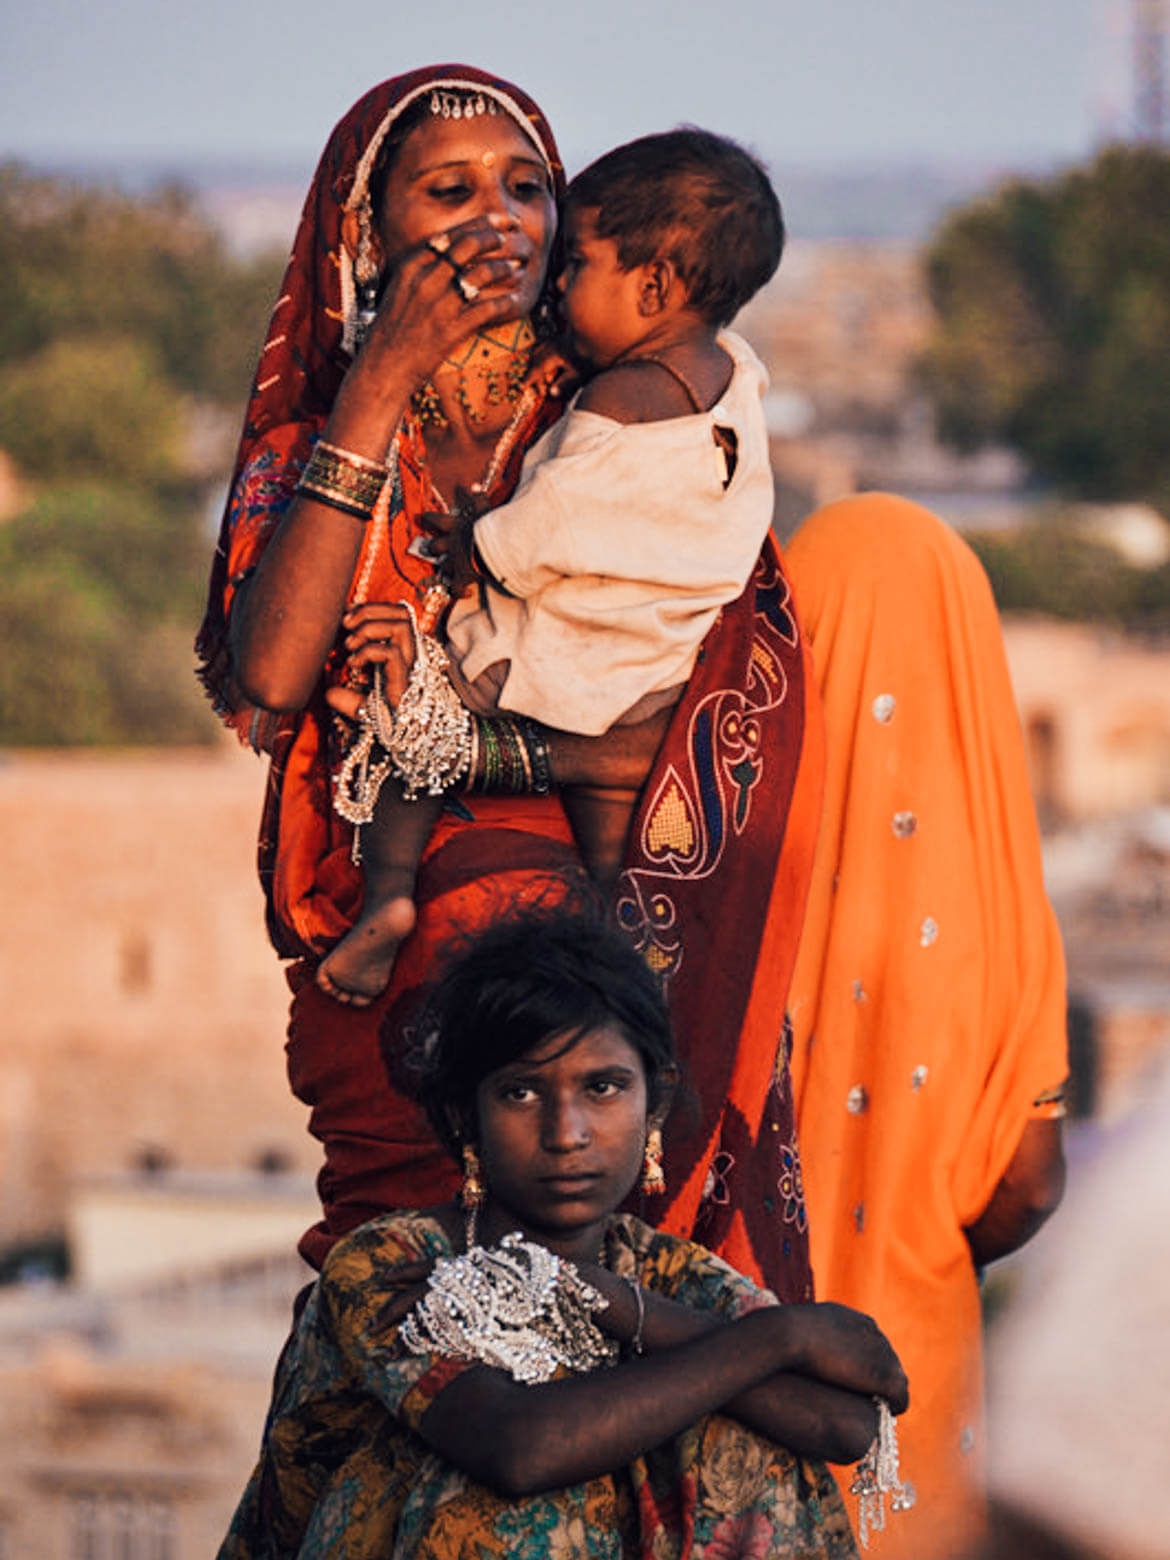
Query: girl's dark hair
(519,984)
(693,198)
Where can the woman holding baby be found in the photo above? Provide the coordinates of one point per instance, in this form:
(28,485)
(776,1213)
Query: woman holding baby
(410,365)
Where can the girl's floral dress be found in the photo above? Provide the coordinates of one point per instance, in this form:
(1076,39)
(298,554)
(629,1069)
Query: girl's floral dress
(344,1475)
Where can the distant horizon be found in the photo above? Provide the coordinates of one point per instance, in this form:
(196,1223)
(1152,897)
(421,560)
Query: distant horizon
(136,165)
(888,198)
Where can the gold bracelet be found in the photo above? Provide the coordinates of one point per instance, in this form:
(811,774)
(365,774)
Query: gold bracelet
(358,462)
(343,480)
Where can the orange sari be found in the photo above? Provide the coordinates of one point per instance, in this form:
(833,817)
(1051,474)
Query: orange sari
(928,997)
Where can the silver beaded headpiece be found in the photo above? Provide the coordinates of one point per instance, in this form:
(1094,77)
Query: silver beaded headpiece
(461,105)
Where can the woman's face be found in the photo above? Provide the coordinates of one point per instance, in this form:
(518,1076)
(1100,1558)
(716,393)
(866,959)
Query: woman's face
(452,171)
(561,1138)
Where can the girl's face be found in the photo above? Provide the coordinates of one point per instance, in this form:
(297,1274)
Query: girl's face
(452,171)
(561,1137)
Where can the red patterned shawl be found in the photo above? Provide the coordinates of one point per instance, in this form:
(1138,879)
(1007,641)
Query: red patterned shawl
(713,891)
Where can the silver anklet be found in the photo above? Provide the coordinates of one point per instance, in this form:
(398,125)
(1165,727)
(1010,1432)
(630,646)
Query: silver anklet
(876,1476)
(426,742)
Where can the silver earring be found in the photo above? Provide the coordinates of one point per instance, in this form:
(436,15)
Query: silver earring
(365,274)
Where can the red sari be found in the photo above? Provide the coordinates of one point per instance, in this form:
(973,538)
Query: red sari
(720,852)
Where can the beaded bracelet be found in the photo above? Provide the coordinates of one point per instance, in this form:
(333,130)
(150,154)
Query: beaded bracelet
(539,757)
(877,1476)
(508,756)
(343,480)
(516,1307)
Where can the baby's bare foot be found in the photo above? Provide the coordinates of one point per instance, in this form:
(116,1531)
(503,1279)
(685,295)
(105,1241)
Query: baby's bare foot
(359,968)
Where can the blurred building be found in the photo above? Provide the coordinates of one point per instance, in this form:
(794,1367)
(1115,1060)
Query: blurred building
(841,329)
(146,1119)
(131,1404)
(1095,707)
(143,1010)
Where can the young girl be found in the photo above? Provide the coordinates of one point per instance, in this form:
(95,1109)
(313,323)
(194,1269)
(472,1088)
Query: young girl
(532,1373)
(638,516)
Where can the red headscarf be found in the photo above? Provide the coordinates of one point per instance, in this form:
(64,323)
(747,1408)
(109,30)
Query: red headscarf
(308,349)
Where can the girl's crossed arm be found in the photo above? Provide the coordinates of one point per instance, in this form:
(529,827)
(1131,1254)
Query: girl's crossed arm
(805,1376)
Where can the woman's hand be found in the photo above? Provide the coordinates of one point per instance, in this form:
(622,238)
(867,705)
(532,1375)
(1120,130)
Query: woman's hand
(377,633)
(434,297)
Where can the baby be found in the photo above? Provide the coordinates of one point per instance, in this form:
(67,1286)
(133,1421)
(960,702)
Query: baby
(637,516)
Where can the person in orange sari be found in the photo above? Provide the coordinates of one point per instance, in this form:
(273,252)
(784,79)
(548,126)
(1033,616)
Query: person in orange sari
(928,998)
(408,356)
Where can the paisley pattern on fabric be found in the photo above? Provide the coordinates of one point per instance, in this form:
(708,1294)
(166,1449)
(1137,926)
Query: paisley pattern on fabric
(343,1473)
(696,898)
(702,800)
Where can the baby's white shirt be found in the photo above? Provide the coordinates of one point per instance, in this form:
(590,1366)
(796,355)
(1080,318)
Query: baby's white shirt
(617,550)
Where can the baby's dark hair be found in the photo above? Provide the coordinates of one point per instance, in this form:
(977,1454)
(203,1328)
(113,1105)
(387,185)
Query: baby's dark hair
(515,986)
(693,198)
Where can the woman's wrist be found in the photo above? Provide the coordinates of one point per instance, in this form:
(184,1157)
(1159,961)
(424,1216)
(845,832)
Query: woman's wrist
(509,757)
(368,409)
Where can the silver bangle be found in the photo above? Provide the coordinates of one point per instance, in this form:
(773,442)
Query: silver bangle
(426,742)
(636,1345)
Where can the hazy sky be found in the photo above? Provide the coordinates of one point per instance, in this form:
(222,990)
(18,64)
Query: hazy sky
(831,81)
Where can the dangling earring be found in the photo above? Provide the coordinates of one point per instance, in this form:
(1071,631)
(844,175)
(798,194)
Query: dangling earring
(471,1194)
(653,1180)
(365,274)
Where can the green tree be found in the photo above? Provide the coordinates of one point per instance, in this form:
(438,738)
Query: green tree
(91,408)
(119,318)
(1053,303)
(90,262)
(99,588)
(1051,567)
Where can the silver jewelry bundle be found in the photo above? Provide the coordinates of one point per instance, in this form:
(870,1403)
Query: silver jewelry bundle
(425,742)
(876,1476)
(517,1307)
